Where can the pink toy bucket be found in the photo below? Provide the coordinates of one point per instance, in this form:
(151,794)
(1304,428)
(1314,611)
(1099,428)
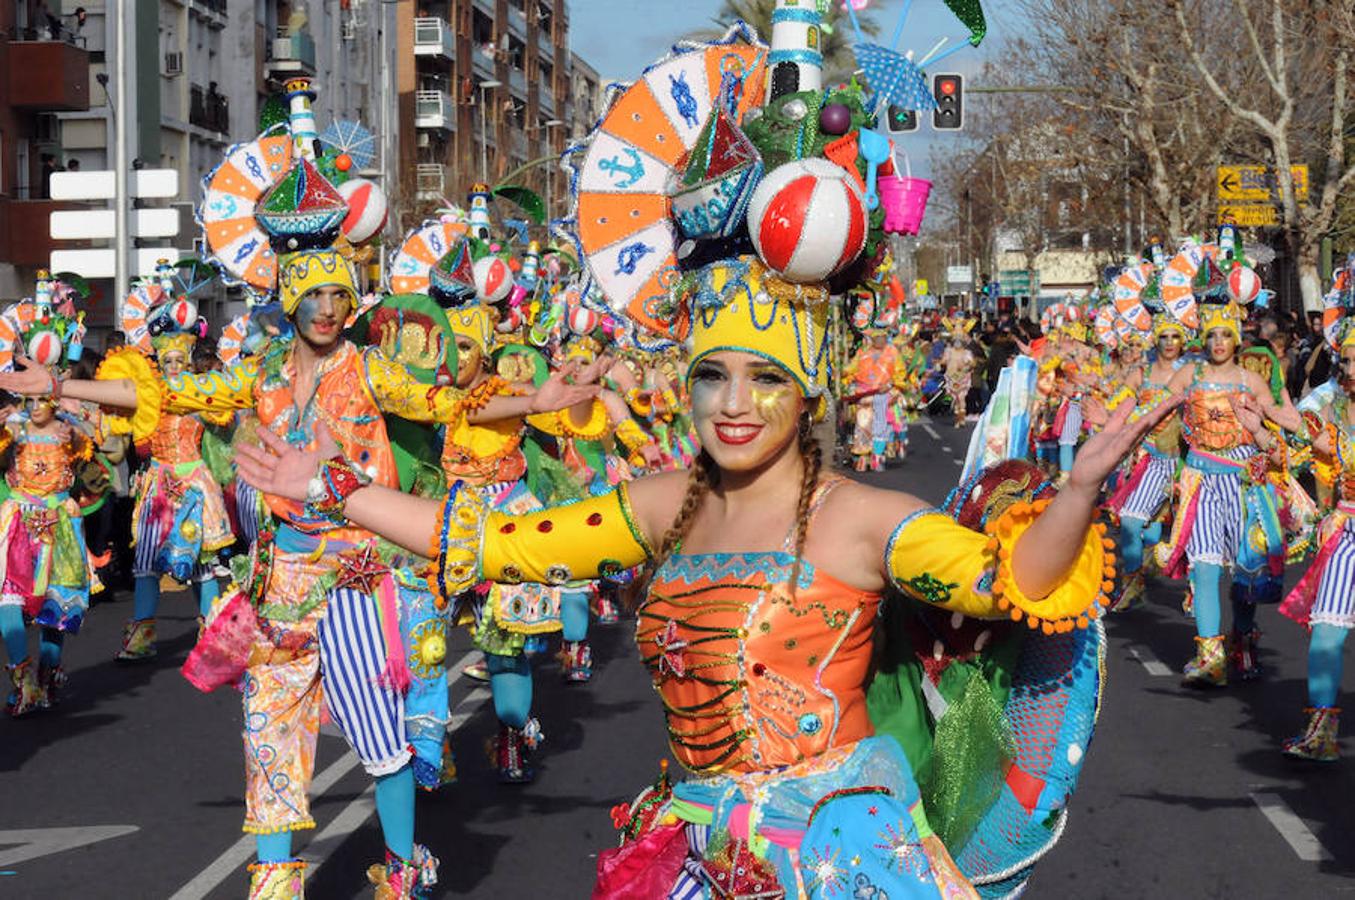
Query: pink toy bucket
(905,203)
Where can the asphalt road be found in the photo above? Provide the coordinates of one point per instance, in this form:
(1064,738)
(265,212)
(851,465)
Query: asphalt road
(132,788)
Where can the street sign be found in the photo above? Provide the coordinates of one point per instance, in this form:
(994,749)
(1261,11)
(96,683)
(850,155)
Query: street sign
(1016,282)
(1249,215)
(1256,184)
(959,275)
(102,263)
(920,287)
(100,185)
(97,224)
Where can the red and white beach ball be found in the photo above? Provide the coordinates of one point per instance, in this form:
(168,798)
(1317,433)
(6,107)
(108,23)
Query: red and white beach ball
(1243,284)
(367,208)
(183,313)
(807,220)
(493,279)
(44,348)
(583,320)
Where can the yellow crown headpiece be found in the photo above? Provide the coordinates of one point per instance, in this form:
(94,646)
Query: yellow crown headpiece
(300,273)
(179,341)
(740,305)
(476,322)
(1221,315)
(1164,322)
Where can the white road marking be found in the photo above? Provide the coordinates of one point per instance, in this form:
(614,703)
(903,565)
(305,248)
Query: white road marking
(36,842)
(931,432)
(354,814)
(957,460)
(1291,827)
(1149,660)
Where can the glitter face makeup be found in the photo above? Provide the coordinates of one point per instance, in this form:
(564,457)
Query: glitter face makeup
(745,409)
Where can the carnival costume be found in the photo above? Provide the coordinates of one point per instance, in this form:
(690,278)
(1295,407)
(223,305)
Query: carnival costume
(1324,598)
(800,792)
(180,513)
(45,571)
(871,375)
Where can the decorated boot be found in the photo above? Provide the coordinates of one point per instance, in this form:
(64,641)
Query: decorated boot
(1209,668)
(1318,741)
(1242,654)
(1132,592)
(27,695)
(277,880)
(51,679)
(607,611)
(510,755)
(401,879)
(138,641)
(576,662)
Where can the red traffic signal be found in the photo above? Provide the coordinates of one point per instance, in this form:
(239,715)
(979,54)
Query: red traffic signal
(949,93)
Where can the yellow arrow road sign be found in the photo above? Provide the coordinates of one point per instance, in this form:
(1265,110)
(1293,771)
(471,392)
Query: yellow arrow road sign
(1257,183)
(1249,215)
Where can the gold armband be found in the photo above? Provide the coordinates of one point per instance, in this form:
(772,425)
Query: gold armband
(631,435)
(932,558)
(591,538)
(561,423)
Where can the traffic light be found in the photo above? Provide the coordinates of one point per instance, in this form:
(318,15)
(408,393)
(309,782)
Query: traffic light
(949,112)
(902,120)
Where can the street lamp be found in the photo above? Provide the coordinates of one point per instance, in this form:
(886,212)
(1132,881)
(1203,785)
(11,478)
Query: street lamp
(546,126)
(484,128)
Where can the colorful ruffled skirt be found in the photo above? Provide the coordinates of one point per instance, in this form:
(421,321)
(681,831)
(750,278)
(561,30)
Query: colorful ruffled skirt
(44,566)
(181,521)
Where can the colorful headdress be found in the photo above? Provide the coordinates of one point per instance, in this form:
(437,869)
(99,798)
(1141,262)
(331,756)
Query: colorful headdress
(1222,315)
(158,316)
(302,272)
(476,322)
(41,330)
(741,305)
(1338,323)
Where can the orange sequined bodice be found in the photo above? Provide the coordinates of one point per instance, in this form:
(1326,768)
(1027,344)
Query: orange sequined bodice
(42,466)
(1208,417)
(751,678)
(176,439)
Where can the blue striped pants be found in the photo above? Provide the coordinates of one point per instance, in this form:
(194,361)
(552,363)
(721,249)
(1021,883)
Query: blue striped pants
(149,536)
(1152,490)
(1335,603)
(1218,529)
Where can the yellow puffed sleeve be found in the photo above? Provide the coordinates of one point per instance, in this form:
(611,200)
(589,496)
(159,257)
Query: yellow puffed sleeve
(217,395)
(562,424)
(127,363)
(401,394)
(932,558)
(594,537)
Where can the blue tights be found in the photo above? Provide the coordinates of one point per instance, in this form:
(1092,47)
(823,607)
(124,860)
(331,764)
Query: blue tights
(1066,453)
(1324,664)
(394,807)
(510,680)
(574,615)
(1135,536)
(12,629)
(1204,584)
(146,596)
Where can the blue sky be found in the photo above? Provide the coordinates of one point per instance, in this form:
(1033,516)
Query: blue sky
(621,37)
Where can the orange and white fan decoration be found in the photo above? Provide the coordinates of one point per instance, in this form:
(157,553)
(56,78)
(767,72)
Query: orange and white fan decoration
(1128,293)
(145,294)
(421,250)
(622,174)
(14,322)
(232,338)
(231,192)
(1178,281)
(1104,326)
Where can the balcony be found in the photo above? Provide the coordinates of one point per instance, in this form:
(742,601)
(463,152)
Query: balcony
(48,75)
(433,37)
(208,109)
(517,21)
(434,109)
(517,80)
(482,65)
(547,100)
(26,229)
(430,181)
(212,12)
(291,55)
(544,45)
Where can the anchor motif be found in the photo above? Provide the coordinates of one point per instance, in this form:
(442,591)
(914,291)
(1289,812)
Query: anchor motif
(252,163)
(246,251)
(630,257)
(682,97)
(631,172)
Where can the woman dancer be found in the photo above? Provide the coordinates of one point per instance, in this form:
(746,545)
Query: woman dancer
(767,574)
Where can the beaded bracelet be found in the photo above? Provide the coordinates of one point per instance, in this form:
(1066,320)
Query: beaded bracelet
(334,482)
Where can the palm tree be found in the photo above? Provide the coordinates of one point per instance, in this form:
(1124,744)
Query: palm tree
(838,59)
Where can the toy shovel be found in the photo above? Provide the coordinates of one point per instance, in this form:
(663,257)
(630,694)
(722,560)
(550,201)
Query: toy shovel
(874,149)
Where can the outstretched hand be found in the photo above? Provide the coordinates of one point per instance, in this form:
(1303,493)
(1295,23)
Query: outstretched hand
(276,467)
(27,379)
(1248,412)
(1105,450)
(560,392)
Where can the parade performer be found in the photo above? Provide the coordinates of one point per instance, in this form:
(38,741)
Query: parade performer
(871,375)
(45,571)
(765,580)
(180,519)
(486,453)
(1224,499)
(1144,496)
(958,363)
(1324,598)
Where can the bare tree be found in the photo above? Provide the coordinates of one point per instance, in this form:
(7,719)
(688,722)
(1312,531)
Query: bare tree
(1300,106)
